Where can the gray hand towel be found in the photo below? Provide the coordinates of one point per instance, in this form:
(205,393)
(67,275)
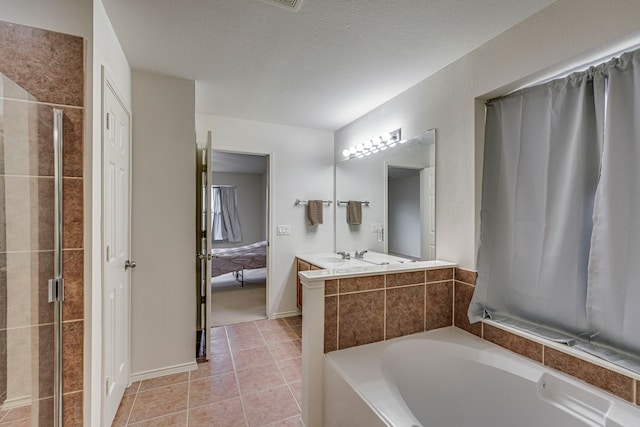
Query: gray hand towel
(314,211)
(354,212)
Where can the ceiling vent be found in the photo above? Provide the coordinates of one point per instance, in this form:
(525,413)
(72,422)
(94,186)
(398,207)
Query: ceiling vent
(292,5)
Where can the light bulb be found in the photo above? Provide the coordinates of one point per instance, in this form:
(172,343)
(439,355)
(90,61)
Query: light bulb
(368,144)
(352,150)
(386,136)
(359,147)
(346,152)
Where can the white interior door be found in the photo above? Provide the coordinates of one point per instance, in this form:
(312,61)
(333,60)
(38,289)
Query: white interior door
(205,245)
(116,127)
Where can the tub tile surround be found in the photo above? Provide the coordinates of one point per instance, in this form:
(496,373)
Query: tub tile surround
(376,307)
(40,70)
(445,301)
(555,356)
(344,308)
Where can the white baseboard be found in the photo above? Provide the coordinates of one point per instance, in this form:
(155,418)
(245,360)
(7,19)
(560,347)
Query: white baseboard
(286,314)
(160,372)
(16,402)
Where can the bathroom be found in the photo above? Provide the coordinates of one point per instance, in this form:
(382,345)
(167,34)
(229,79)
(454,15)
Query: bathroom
(450,101)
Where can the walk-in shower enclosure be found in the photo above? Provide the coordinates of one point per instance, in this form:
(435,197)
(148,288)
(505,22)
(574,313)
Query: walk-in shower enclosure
(41,227)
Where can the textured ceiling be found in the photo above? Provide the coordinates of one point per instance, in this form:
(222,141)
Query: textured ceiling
(320,67)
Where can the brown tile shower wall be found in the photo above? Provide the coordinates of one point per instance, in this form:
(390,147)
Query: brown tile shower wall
(40,70)
(625,387)
(366,309)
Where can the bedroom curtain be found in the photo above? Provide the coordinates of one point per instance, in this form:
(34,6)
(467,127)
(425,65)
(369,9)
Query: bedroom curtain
(217,226)
(541,165)
(226,222)
(614,289)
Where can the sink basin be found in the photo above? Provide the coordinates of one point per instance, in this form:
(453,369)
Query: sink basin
(332,260)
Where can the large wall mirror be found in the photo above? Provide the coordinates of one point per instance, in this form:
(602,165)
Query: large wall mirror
(399,186)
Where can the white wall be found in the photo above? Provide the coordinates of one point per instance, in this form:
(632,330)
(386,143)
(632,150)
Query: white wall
(163,306)
(301,168)
(250,193)
(563,33)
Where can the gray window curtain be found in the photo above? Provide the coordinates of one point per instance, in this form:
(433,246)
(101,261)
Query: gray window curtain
(541,167)
(226,221)
(614,289)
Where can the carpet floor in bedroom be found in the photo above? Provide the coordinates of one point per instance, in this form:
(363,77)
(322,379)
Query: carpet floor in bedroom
(232,303)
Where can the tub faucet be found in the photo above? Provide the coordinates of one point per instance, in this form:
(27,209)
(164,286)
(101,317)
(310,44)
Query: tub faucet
(345,255)
(360,255)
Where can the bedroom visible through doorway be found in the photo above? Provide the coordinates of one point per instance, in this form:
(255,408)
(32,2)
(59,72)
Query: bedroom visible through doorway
(238,233)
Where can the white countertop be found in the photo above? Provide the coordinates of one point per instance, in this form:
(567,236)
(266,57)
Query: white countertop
(333,266)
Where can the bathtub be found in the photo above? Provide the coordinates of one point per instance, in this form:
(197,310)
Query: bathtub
(449,378)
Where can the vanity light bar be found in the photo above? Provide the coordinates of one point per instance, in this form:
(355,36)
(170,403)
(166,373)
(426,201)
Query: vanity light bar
(374,145)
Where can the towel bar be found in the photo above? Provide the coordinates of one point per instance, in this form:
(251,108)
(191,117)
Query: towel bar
(344,202)
(302,202)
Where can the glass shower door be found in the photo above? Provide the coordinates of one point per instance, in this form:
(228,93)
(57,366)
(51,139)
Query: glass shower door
(30,259)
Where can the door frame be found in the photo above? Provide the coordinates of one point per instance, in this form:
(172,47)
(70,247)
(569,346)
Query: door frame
(269,155)
(108,83)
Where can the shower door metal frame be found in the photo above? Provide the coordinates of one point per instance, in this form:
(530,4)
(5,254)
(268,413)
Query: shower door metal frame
(56,285)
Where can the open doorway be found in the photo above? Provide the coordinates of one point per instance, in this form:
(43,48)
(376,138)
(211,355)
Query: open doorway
(238,230)
(404,212)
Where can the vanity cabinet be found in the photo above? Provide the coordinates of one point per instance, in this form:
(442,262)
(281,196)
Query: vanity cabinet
(302,265)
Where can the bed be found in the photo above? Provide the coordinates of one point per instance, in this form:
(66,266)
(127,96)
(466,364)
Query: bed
(236,260)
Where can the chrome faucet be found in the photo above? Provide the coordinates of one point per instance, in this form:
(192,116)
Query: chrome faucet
(360,255)
(345,255)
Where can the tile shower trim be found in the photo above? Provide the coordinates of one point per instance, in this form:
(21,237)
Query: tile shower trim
(628,382)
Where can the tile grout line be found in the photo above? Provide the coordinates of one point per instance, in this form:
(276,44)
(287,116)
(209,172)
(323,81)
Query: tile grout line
(235,374)
(135,397)
(280,370)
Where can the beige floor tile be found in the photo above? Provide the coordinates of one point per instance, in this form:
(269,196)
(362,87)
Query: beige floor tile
(246,328)
(218,364)
(218,332)
(228,413)
(271,324)
(293,320)
(164,381)
(289,422)
(297,329)
(219,346)
(124,410)
(269,406)
(25,422)
(286,350)
(133,388)
(260,378)
(178,419)
(279,335)
(158,402)
(19,413)
(296,389)
(291,369)
(244,342)
(212,389)
(245,359)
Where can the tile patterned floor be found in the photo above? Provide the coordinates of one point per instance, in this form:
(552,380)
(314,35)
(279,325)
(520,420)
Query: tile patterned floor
(253,379)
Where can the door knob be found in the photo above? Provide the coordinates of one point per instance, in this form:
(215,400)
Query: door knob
(129,264)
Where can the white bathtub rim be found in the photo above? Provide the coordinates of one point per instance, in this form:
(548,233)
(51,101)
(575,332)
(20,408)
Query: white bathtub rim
(387,401)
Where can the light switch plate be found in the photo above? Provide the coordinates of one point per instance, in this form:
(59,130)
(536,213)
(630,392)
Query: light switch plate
(283,230)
